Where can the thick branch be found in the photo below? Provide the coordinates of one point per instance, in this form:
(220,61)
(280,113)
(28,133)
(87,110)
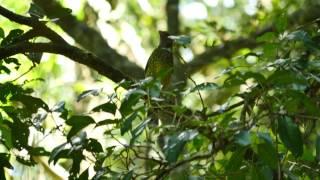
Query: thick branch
(90,39)
(172,10)
(71,52)
(38,26)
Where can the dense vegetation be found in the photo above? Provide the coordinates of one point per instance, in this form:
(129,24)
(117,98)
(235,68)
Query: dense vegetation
(243,104)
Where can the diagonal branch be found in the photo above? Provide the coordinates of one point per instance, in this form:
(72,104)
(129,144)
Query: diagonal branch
(58,46)
(71,52)
(90,39)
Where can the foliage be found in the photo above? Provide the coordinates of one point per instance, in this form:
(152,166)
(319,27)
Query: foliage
(265,128)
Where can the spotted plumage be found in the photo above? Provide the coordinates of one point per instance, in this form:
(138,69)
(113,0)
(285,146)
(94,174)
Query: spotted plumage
(160,62)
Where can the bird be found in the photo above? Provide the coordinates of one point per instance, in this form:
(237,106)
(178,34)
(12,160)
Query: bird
(160,62)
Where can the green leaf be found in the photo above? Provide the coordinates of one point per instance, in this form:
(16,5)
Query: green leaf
(93,146)
(12,36)
(12,60)
(24,161)
(58,152)
(59,107)
(31,103)
(181,40)
(205,86)
(84,94)
(78,123)
(38,151)
(6,137)
(35,57)
(2,34)
(84,175)
(36,11)
(138,130)
(303,36)
(318,148)
(132,98)
(267,37)
(243,138)
(268,154)
(106,107)
(270,50)
(128,176)
(5,69)
(127,124)
(176,143)
(281,22)
(4,161)
(236,160)
(283,78)
(107,122)
(290,135)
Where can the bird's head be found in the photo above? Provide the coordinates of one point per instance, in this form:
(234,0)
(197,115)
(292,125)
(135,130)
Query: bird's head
(165,40)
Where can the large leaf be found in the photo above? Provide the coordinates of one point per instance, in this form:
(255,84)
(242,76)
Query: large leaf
(290,135)
(138,130)
(176,143)
(127,124)
(106,107)
(31,103)
(78,123)
(236,160)
(268,154)
(130,100)
(281,22)
(93,145)
(11,37)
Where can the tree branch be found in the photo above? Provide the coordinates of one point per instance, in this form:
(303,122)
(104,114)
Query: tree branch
(38,26)
(90,39)
(180,163)
(172,10)
(71,52)
(59,46)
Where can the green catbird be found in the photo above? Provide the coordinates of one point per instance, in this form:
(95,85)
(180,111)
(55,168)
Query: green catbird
(160,62)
